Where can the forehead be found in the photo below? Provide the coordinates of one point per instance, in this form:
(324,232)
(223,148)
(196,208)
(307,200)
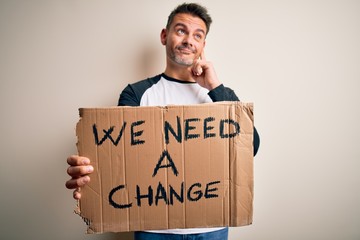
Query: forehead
(189,21)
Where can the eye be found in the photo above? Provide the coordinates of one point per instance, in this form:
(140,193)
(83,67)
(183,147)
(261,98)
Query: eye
(198,36)
(180,31)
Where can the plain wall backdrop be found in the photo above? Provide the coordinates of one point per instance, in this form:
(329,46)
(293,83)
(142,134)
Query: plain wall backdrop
(297,61)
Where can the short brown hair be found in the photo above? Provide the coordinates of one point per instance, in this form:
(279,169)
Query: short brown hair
(194,10)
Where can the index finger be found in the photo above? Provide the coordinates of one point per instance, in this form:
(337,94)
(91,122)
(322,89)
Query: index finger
(202,55)
(75,160)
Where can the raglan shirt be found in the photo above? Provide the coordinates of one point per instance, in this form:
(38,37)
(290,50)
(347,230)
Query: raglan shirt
(163,90)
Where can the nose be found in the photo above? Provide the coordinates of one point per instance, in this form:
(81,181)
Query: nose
(187,41)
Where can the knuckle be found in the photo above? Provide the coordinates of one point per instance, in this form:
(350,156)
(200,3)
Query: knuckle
(69,160)
(71,171)
(69,184)
(82,181)
(82,170)
(72,160)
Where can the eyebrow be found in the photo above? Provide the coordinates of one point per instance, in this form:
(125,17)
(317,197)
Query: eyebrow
(183,25)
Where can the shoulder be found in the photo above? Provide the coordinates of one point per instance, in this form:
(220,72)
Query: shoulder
(146,83)
(132,93)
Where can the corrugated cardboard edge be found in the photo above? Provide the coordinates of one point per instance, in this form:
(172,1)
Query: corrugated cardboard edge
(241,162)
(77,210)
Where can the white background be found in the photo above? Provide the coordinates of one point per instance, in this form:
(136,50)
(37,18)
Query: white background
(298,61)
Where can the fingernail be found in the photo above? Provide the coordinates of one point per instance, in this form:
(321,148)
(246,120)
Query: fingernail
(86,161)
(90,169)
(86,179)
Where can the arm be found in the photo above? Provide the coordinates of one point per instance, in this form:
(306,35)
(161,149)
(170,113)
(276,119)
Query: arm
(128,97)
(131,95)
(204,74)
(222,93)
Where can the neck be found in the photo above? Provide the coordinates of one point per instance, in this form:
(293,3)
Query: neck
(182,73)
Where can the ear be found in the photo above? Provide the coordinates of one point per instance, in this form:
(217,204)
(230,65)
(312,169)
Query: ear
(163,36)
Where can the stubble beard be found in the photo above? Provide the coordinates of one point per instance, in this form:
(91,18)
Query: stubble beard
(182,61)
(175,57)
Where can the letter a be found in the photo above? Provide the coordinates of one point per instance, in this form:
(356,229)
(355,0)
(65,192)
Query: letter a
(171,163)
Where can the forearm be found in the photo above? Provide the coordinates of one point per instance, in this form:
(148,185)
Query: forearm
(222,93)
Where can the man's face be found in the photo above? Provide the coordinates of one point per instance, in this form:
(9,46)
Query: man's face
(185,39)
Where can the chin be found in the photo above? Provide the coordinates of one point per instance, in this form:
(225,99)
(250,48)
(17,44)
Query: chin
(184,62)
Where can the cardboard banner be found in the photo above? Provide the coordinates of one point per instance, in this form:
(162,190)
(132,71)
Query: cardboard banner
(167,167)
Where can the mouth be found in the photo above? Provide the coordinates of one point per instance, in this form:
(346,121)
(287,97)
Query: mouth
(186,50)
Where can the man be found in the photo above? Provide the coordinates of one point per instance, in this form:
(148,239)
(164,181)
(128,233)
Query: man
(188,79)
